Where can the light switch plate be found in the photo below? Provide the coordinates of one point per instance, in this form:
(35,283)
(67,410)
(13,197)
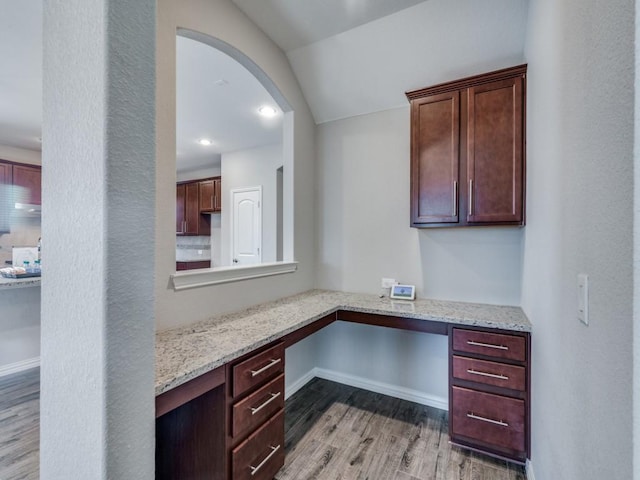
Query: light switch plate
(583,298)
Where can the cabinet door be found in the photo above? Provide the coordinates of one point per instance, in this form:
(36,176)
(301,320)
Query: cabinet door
(5,197)
(495,157)
(191,209)
(207,193)
(217,198)
(5,174)
(180,204)
(27,184)
(435,143)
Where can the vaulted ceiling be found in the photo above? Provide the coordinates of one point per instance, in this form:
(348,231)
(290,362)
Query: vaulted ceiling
(351,57)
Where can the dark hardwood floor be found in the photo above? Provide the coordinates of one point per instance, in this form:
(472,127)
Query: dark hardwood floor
(20,425)
(333,432)
(337,432)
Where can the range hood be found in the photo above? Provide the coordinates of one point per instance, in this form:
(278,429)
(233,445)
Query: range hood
(27,209)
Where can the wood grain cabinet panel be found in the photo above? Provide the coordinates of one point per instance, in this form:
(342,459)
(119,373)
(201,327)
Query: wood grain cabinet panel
(261,455)
(434,161)
(249,413)
(189,220)
(497,374)
(490,344)
(467,151)
(491,419)
(5,197)
(495,151)
(210,195)
(489,391)
(27,184)
(258,368)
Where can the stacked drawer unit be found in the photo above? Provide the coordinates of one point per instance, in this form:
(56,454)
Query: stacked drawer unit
(489,378)
(255,400)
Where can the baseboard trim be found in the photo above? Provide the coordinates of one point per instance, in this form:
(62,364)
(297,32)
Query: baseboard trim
(21,366)
(384,388)
(298,384)
(529,471)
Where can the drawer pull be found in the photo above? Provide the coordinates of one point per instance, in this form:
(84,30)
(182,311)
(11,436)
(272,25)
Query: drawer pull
(486,374)
(488,345)
(254,470)
(266,367)
(488,420)
(271,399)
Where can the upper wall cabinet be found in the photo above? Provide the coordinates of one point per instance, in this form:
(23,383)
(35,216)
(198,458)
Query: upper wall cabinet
(210,195)
(27,182)
(467,151)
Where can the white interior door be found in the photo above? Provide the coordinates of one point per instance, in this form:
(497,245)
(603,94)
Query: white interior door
(246,226)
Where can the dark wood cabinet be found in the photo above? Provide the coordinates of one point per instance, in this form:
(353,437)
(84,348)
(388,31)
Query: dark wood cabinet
(489,385)
(193,265)
(5,197)
(467,151)
(5,173)
(210,195)
(27,184)
(189,220)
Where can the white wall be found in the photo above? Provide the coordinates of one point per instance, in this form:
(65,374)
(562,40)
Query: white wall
(21,155)
(363,225)
(251,168)
(223,20)
(580,197)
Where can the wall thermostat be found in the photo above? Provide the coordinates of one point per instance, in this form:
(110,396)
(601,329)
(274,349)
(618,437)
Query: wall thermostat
(403,292)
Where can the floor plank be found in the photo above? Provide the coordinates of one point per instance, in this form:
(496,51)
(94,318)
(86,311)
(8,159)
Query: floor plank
(337,432)
(332,432)
(20,425)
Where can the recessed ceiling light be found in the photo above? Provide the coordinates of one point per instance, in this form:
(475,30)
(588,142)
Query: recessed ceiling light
(267,111)
(205,141)
(221,83)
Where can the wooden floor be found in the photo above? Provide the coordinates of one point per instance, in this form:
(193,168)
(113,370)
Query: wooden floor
(333,432)
(337,432)
(20,425)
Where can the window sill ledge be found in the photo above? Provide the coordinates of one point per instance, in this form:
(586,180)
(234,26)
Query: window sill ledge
(214,276)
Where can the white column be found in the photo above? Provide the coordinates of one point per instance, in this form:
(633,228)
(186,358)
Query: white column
(97,377)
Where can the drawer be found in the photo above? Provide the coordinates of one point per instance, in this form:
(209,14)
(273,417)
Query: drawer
(258,368)
(490,373)
(251,412)
(498,345)
(261,455)
(491,419)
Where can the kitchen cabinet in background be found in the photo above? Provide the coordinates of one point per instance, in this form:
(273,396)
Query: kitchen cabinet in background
(180,266)
(467,151)
(211,195)
(27,183)
(189,220)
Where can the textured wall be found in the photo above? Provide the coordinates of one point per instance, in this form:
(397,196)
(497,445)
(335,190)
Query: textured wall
(221,19)
(97,377)
(580,197)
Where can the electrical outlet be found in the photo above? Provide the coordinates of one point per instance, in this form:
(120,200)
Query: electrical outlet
(388,282)
(583,298)
(199,252)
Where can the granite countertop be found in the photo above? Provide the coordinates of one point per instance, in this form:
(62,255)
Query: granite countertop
(188,352)
(7,283)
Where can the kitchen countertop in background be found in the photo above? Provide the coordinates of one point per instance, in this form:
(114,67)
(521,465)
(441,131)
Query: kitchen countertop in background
(188,352)
(7,283)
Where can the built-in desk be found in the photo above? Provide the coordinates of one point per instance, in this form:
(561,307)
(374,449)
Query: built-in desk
(196,377)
